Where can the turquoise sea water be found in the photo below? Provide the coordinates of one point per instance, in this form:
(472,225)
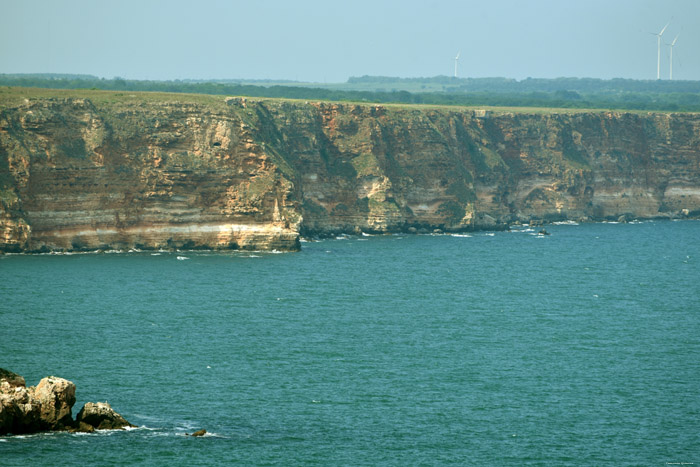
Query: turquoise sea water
(578,348)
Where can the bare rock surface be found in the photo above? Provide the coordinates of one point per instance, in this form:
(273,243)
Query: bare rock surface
(12,379)
(47,407)
(56,397)
(101,416)
(181,172)
(18,412)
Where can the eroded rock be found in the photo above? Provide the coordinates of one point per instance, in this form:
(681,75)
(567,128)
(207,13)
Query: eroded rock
(221,179)
(82,427)
(101,416)
(47,407)
(19,412)
(56,397)
(13,379)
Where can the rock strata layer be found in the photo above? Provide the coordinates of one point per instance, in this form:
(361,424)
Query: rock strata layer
(47,407)
(116,171)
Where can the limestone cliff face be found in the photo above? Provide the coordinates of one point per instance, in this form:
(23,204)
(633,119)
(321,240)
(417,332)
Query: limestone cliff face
(126,174)
(164,171)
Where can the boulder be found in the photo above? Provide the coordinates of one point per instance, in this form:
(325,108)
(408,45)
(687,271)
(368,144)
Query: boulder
(82,427)
(47,407)
(56,397)
(19,412)
(201,432)
(101,416)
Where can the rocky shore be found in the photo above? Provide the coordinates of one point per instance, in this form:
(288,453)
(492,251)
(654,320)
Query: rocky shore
(86,171)
(47,407)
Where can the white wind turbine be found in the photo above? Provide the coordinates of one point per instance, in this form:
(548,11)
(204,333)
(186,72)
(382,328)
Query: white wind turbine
(671,45)
(658,55)
(456,59)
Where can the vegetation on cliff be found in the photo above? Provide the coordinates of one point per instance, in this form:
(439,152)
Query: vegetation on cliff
(555,93)
(88,169)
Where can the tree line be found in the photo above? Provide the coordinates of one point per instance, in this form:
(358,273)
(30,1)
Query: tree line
(570,93)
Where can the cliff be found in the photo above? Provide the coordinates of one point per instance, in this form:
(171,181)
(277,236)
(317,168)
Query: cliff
(104,170)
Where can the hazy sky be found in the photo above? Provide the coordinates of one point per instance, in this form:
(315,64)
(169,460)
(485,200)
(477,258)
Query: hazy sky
(329,41)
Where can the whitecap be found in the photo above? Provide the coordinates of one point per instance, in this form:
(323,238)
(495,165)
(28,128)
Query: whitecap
(185,425)
(182,258)
(141,428)
(155,254)
(461,235)
(565,223)
(491,234)
(365,234)
(210,434)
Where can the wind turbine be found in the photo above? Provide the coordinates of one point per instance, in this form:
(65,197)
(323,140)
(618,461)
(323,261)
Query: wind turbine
(670,74)
(456,59)
(658,55)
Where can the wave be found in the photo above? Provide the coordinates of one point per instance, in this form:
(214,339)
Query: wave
(182,258)
(565,223)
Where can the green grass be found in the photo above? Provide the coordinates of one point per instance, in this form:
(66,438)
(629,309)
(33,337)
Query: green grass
(17,96)
(366,164)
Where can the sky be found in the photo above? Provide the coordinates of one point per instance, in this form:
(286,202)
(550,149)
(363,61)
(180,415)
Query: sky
(330,41)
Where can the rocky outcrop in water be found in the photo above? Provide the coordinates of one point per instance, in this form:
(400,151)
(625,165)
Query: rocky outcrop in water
(105,170)
(47,407)
(101,416)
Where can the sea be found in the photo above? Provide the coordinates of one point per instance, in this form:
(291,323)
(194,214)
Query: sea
(581,347)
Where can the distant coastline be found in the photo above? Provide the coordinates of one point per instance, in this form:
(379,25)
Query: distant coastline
(103,170)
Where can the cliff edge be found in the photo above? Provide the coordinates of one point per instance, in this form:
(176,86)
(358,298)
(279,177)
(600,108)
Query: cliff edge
(104,170)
